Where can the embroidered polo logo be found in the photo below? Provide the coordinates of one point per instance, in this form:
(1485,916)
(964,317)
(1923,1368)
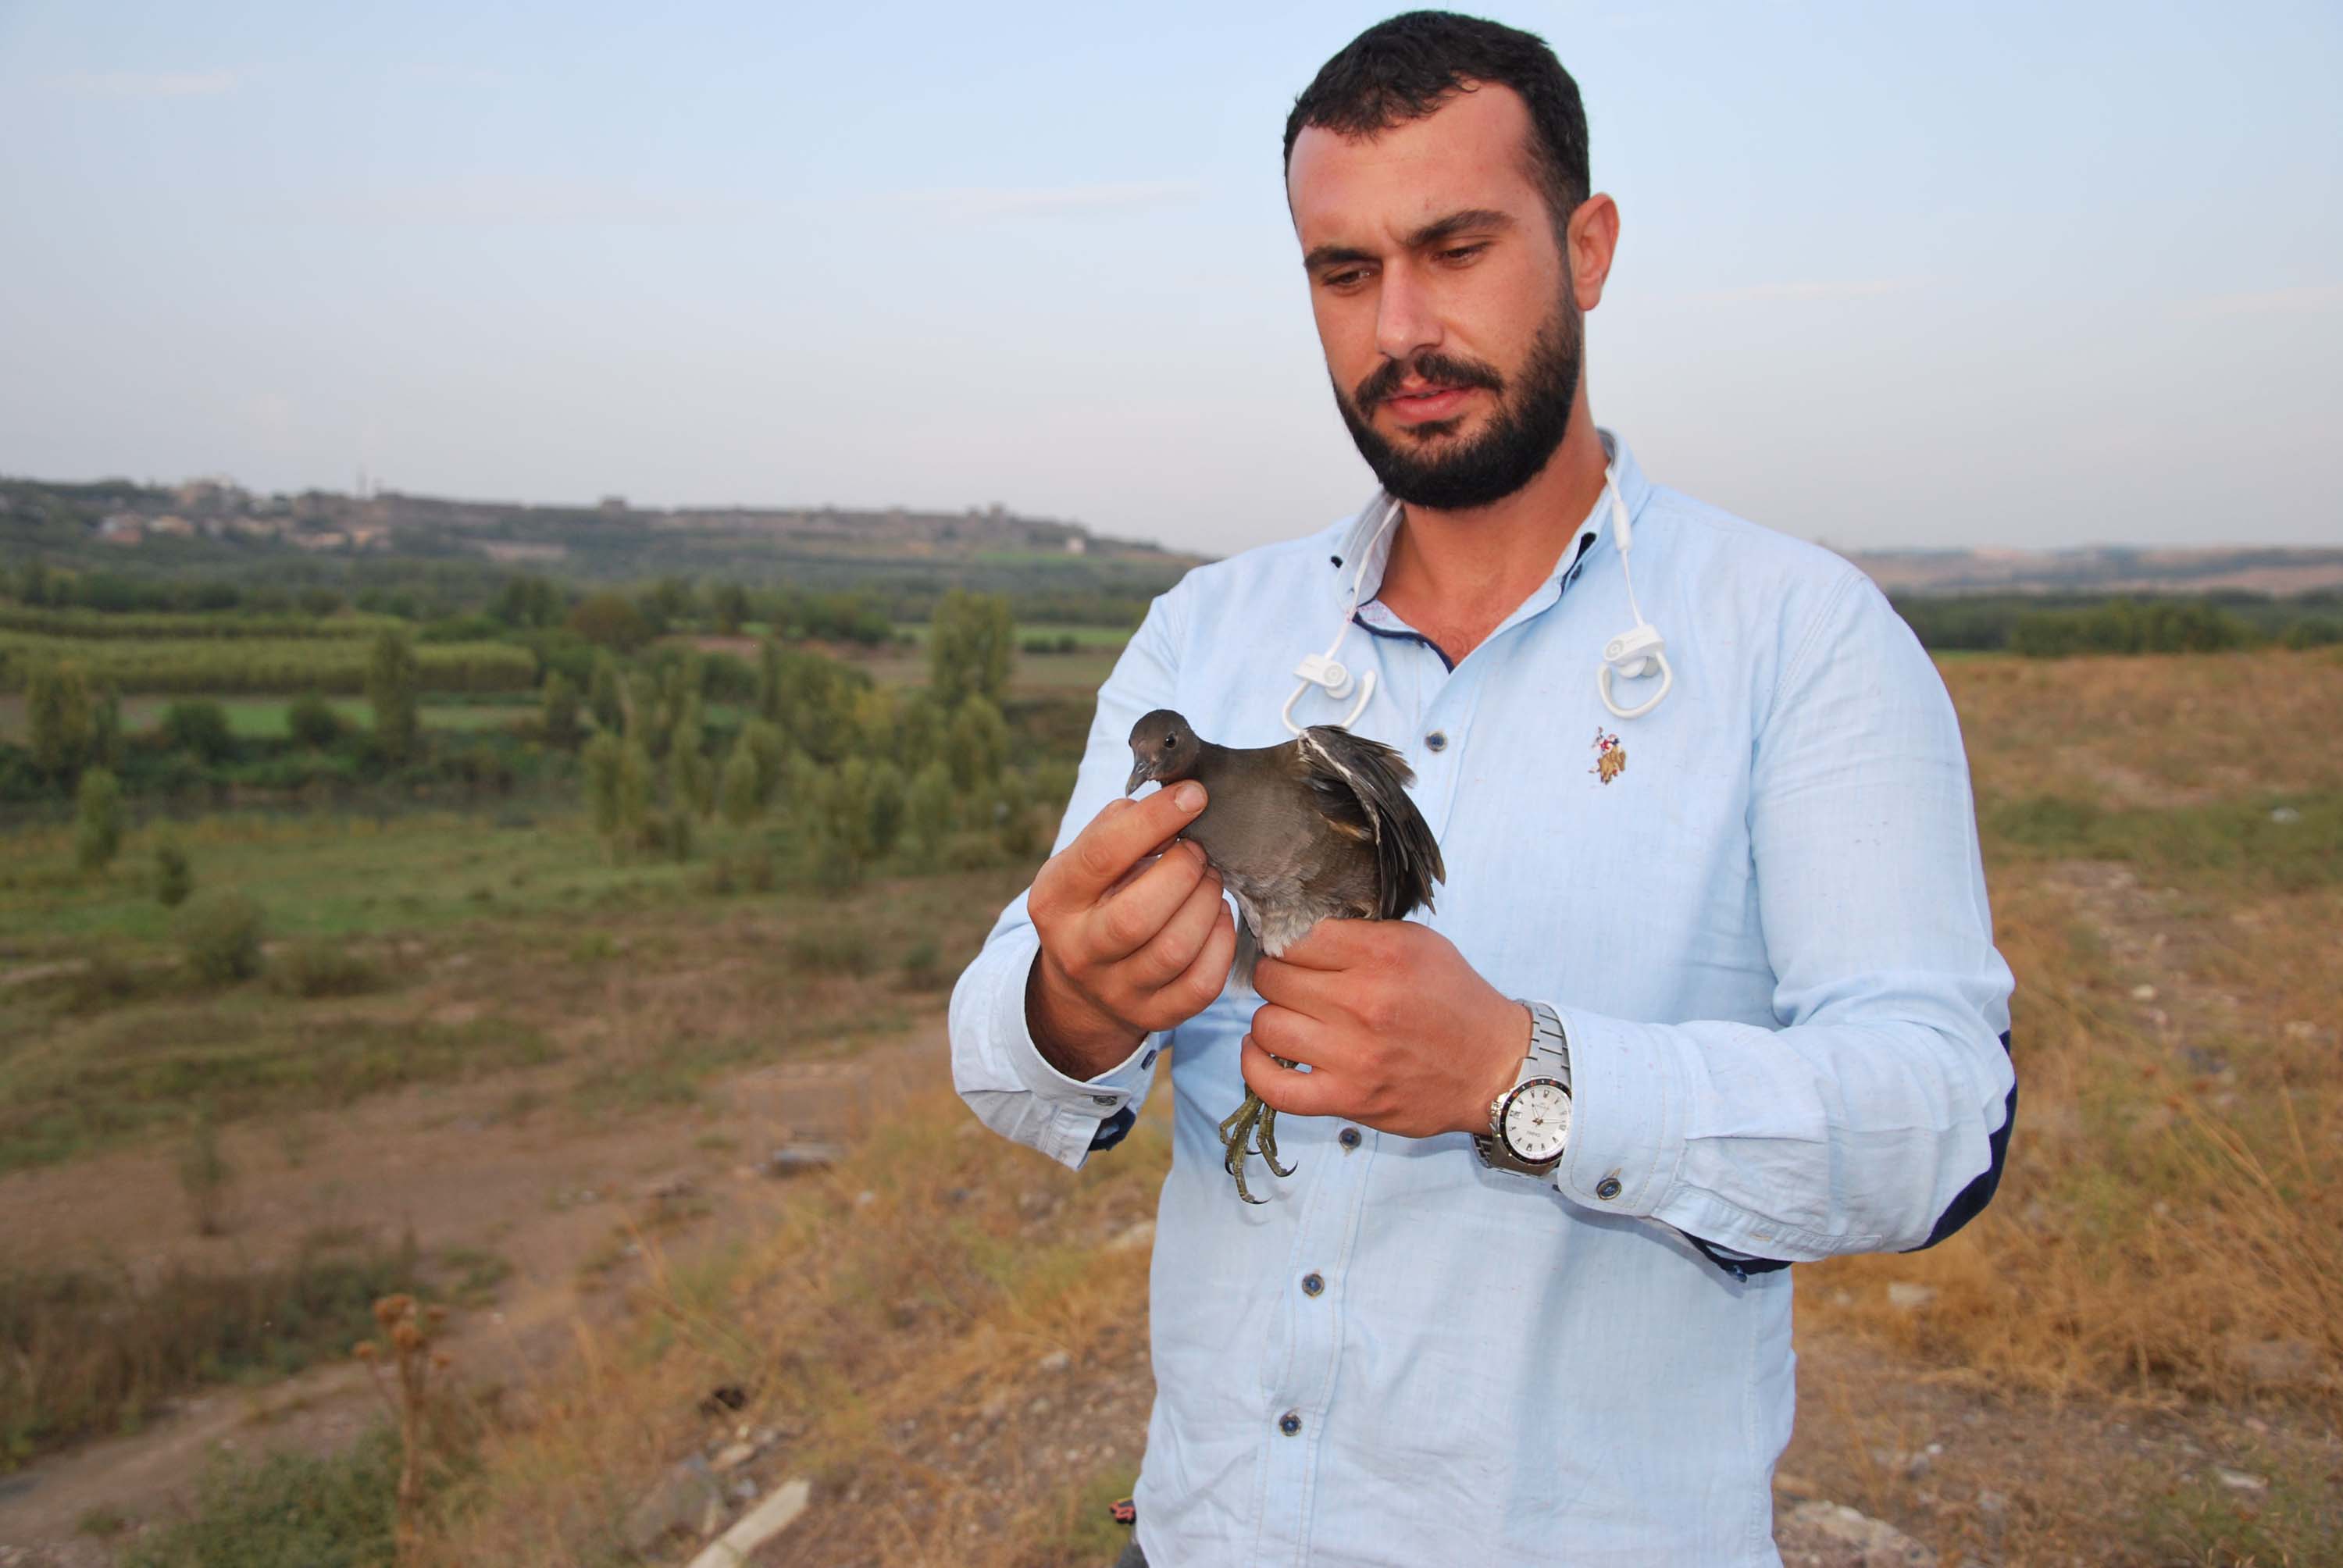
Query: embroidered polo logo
(1610,757)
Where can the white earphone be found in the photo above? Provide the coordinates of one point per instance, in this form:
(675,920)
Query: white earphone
(1631,655)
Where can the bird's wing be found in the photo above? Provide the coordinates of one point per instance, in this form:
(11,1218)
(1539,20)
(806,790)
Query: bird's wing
(1361,785)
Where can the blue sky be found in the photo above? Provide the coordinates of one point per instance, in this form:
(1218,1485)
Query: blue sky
(1891,274)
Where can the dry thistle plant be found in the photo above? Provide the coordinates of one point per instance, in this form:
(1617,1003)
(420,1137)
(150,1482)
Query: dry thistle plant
(403,1378)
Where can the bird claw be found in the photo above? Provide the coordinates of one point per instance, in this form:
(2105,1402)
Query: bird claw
(1251,1128)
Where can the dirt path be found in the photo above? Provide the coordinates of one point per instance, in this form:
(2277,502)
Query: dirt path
(492,1167)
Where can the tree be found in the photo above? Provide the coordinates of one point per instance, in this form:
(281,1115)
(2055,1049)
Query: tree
(970,638)
(634,792)
(730,600)
(976,746)
(767,752)
(601,760)
(97,819)
(561,710)
(313,720)
(199,726)
(743,796)
(58,710)
(611,621)
(885,807)
(391,688)
(928,809)
(106,728)
(174,878)
(602,694)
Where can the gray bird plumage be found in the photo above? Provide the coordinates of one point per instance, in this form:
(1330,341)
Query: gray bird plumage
(1320,828)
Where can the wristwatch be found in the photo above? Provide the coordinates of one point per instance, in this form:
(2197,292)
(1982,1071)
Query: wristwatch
(1529,1124)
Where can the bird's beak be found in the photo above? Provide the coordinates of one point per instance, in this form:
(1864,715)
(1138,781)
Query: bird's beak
(1139,775)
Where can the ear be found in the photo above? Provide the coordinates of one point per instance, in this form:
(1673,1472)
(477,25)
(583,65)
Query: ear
(1591,240)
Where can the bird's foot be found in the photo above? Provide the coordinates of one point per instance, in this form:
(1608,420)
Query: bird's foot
(1251,1128)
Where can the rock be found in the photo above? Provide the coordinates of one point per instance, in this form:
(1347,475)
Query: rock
(1055,1362)
(2238,1481)
(2302,1029)
(1991,1503)
(1820,1535)
(680,1500)
(733,1455)
(2143,993)
(1138,1238)
(790,1159)
(759,1526)
(2285,814)
(1907,1296)
(2273,1363)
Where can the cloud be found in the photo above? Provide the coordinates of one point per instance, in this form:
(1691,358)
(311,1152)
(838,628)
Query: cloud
(1032,201)
(149,84)
(506,200)
(1852,288)
(2314,297)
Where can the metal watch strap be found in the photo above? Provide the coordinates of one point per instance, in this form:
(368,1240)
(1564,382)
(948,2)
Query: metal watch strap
(1548,1056)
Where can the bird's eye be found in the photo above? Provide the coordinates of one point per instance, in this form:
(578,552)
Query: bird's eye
(1170,741)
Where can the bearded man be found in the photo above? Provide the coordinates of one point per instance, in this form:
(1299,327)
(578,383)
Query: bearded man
(1744,929)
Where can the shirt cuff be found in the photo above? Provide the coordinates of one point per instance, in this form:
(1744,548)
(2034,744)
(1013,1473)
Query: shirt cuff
(1626,1116)
(1081,1104)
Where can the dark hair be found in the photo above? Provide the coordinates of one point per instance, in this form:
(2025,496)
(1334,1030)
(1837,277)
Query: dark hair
(1406,67)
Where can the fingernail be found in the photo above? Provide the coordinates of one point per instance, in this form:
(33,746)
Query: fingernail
(1189,797)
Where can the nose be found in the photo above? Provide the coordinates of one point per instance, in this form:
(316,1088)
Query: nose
(1405,321)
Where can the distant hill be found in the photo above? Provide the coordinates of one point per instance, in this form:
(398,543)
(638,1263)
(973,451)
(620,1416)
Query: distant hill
(2280,572)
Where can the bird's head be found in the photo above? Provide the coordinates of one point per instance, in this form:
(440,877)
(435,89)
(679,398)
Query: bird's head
(1162,748)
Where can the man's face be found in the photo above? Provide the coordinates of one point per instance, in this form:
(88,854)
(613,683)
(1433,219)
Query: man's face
(1442,299)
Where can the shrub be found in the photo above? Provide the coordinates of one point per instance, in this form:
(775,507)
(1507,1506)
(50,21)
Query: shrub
(969,639)
(204,1174)
(316,966)
(57,712)
(830,949)
(742,799)
(199,726)
(174,878)
(602,694)
(601,760)
(313,722)
(609,620)
(97,819)
(924,965)
(220,935)
(561,711)
(392,684)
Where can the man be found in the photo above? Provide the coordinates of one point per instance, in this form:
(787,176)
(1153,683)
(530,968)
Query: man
(1746,929)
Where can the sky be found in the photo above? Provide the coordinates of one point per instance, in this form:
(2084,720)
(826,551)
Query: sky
(1890,276)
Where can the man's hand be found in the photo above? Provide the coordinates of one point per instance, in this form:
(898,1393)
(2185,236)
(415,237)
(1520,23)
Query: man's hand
(1398,1032)
(1123,955)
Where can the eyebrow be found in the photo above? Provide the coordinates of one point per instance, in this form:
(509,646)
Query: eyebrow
(1436,232)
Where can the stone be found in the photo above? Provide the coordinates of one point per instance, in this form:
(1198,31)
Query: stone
(733,1455)
(1138,1238)
(1822,1533)
(2285,814)
(759,1526)
(1055,1362)
(1907,1297)
(2143,993)
(2239,1480)
(1991,1503)
(680,1502)
(790,1159)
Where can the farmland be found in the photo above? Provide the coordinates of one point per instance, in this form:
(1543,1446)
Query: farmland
(525,1044)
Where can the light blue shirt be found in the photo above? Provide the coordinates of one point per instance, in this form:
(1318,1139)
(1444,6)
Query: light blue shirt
(1766,936)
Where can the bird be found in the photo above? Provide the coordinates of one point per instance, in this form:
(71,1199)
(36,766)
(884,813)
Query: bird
(1318,828)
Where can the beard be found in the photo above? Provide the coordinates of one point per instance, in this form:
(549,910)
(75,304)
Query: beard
(1529,424)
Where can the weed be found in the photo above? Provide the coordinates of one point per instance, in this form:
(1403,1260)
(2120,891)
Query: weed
(319,966)
(826,950)
(220,935)
(287,1511)
(174,878)
(924,965)
(204,1174)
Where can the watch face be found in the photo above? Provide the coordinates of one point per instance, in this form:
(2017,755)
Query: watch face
(1537,1121)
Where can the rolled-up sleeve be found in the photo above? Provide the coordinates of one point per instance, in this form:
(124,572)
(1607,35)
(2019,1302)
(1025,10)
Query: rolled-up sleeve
(1875,1117)
(996,1067)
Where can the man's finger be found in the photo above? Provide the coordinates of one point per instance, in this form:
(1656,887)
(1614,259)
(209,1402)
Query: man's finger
(1334,944)
(1314,1093)
(1316,992)
(1183,936)
(1201,984)
(1296,1037)
(1131,919)
(1117,841)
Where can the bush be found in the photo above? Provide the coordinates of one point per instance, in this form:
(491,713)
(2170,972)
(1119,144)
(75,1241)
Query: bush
(199,726)
(174,878)
(316,966)
(924,965)
(313,722)
(562,709)
(220,935)
(97,819)
(830,949)
(392,685)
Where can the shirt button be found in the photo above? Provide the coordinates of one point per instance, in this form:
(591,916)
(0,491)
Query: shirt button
(1102,1100)
(1290,1424)
(1349,1137)
(1607,1189)
(1313,1284)
(1437,740)
(1148,1061)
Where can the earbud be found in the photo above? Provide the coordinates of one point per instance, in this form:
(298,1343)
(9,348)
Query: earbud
(1330,673)
(1635,652)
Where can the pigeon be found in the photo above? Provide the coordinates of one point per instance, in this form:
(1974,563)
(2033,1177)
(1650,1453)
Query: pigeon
(1320,828)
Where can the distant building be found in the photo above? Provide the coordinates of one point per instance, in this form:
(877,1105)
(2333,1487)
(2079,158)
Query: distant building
(122,528)
(612,504)
(172,526)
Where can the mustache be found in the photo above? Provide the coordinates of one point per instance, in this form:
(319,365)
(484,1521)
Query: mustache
(1442,369)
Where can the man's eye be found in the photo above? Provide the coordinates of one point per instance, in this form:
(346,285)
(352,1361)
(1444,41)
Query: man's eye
(1462,252)
(1349,278)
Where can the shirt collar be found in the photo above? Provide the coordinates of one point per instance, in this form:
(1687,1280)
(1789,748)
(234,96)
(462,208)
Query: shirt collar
(1366,532)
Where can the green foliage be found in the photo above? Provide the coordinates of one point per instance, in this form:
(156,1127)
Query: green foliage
(760,739)
(220,935)
(830,949)
(743,795)
(970,641)
(261,665)
(97,819)
(57,712)
(634,792)
(2122,627)
(106,728)
(174,878)
(603,696)
(2289,843)
(813,699)
(562,709)
(928,814)
(530,602)
(610,620)
(883,807)
(601,761)
(200,726)
(924,965)
(730,602)
(392,690)
(976,745)
(313,722)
